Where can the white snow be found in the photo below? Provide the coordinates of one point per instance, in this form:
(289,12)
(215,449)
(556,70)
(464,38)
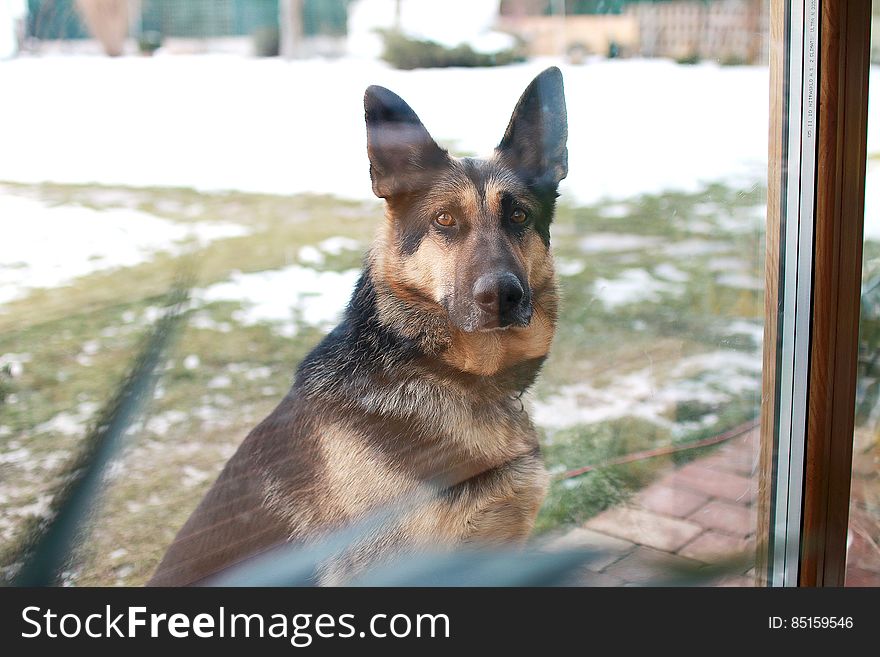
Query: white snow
(193,476)
(710,378)
(69,423)
(631,286)
(672,273)
(727,264)
(740,280)
(611,242)
(223,122)
(614,210)
(568,266)
(251,372)
(162,422)
(694,247)
(316,254)
(47,246)
(202,320)
(220,381)
(285,296)
(755,330)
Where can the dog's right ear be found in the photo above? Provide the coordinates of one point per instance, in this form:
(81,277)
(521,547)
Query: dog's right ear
(398,145)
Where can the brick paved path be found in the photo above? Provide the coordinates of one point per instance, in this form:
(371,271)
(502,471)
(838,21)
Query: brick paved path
(695,515)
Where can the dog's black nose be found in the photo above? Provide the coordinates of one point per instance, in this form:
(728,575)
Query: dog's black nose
(498,293)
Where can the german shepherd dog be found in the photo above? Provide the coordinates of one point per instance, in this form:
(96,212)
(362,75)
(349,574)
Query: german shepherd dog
(420,384)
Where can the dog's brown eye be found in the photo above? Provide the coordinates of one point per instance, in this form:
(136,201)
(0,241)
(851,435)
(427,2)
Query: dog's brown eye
(518,216)
(445,219)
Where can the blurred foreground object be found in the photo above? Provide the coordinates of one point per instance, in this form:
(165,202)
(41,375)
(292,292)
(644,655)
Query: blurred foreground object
(49,548)
(107,21)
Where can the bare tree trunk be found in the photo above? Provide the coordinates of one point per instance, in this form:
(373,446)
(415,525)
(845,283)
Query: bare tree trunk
(107,21)
(290,27)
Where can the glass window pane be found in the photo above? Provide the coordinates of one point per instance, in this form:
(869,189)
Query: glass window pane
(253,172)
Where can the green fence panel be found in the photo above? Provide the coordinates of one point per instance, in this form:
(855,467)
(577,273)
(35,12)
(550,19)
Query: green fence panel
(54,19)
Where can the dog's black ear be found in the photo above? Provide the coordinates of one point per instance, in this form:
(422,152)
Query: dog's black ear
(398,145)
(535,140)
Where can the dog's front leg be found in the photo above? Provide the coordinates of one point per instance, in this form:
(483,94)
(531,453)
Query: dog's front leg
(500,506)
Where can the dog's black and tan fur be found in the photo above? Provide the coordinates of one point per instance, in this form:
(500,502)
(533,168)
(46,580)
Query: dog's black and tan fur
(420,383)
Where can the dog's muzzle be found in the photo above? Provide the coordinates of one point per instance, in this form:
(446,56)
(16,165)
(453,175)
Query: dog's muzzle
(502,301)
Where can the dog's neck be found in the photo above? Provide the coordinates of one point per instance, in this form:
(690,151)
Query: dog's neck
(384,338)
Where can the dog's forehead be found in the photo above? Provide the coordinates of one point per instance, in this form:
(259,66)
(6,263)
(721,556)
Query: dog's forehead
(475,181)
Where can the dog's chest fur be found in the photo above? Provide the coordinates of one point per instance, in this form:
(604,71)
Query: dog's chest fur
(378,441)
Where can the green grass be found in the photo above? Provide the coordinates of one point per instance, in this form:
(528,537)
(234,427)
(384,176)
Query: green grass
(81,337)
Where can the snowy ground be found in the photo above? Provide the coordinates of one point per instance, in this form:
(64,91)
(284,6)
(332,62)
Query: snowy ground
(234,123)
(222,122)
(48,246)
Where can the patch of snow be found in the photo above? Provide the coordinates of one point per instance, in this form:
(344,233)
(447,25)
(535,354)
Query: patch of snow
(712,125)
(19,455)
(727,264)
(151,314)
(220,381)
(568,266)
(315,254)
(285,296)
(694,247)
(338,244)
(711,378)
(49,246)
(671,273)
(160,424)
(69,423)
(741,281)
(205,321)
(310,255)
(122,572)
(191,362)
(205,232)
(255,373)
(614,210)
(40,508)
(632,286)
(755,330)
(614,242)
(193,476)
(707,209)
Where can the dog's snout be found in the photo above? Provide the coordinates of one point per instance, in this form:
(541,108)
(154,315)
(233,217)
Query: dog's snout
(498,293)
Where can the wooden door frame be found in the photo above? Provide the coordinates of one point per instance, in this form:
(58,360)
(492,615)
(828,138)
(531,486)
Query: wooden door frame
(834,291)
